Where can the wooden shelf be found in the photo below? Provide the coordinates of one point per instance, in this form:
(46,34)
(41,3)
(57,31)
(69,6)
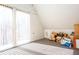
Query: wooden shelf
(76,36)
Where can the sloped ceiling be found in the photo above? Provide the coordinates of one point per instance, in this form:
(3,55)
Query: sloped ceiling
(23,7)
(58,16)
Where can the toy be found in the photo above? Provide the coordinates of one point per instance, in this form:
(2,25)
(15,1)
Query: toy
(66,42)
(53,36)
(58,38)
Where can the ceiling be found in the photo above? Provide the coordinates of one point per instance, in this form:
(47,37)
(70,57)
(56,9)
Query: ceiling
(23,7)
(59,16)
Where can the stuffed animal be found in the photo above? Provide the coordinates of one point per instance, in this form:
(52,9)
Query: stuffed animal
(71,37)
(65,35)
(60,34)
(58,38)
(53,36)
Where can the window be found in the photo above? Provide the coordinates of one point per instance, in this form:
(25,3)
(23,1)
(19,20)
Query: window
(22,27)
(5,26)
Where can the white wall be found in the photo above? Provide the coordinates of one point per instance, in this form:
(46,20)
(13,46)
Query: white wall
(36,27)
(58,16)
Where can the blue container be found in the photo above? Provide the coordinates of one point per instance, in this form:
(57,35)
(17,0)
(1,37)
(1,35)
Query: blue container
(67,45)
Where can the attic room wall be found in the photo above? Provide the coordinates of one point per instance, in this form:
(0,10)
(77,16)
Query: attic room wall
(36,27)
(58,17)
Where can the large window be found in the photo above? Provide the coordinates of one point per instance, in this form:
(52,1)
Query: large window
(5,26)
(21,27)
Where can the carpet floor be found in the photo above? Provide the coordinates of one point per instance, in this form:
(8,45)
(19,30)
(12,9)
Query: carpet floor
(41,47)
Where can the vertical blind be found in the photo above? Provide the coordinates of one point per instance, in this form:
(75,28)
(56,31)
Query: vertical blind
(22,27)
(6,27)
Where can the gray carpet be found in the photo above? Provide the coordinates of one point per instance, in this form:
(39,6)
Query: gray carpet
(41,47)
(52,43)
